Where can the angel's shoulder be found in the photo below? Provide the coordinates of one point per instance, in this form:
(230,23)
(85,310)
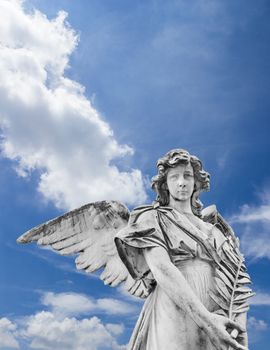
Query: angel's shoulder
(141,219)
(143,213)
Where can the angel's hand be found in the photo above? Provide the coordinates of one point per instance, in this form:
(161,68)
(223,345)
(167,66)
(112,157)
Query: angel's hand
(218,329)
(241,337)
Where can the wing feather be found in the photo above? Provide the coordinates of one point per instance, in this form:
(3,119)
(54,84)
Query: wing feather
(89,232)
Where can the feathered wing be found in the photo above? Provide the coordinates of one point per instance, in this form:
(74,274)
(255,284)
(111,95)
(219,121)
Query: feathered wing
(89,232)
(231,276)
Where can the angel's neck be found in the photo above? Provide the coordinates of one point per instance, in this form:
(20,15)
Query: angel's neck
(183,206)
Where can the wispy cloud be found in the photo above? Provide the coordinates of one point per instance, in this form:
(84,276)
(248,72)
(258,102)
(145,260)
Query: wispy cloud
(260,299)
(249,214)
(253,222)
(47,122)
(256,327)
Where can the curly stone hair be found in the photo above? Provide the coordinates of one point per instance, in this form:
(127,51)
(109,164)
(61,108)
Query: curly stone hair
(171,160)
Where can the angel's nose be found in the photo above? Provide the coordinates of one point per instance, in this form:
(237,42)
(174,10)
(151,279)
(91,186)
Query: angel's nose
(181,182)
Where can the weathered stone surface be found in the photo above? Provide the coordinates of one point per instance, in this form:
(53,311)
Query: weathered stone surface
(184,260)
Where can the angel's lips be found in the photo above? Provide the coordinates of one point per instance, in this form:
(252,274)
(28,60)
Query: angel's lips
(182,192)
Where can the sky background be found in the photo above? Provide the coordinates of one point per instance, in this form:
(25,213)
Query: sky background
(92,93)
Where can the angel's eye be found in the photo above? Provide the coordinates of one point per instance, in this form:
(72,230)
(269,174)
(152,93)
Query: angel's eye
(173,177)
(188,175)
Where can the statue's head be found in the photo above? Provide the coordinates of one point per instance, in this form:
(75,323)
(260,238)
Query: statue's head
(171,160)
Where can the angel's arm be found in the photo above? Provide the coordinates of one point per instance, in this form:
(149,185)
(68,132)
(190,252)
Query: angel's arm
(174,284)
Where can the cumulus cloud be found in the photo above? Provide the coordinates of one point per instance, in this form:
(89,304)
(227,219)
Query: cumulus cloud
(47,332)
(47,122)
(115,328)
(7,336)
(253,223)
(63,324)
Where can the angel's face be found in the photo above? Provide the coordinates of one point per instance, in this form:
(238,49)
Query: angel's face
(180,182)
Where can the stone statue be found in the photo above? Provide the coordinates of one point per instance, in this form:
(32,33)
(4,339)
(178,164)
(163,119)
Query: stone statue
(184,260)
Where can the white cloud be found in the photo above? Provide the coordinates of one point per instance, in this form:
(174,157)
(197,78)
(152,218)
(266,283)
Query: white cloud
(255,329)
(61,325)
(45,331)
(260,299)
(258,325)
(259,213)
(252,222)
(7,337)
(67,304)
(250,214)
(58,318)
(255,240)
(115,328)
(115,307)
(47,122)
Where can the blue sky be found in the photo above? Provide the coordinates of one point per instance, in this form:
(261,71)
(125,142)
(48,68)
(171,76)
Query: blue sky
(92,93)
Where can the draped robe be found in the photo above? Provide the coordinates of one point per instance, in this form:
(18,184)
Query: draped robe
(162,324)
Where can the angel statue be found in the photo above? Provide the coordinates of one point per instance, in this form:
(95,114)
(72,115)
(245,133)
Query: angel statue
(184,260)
